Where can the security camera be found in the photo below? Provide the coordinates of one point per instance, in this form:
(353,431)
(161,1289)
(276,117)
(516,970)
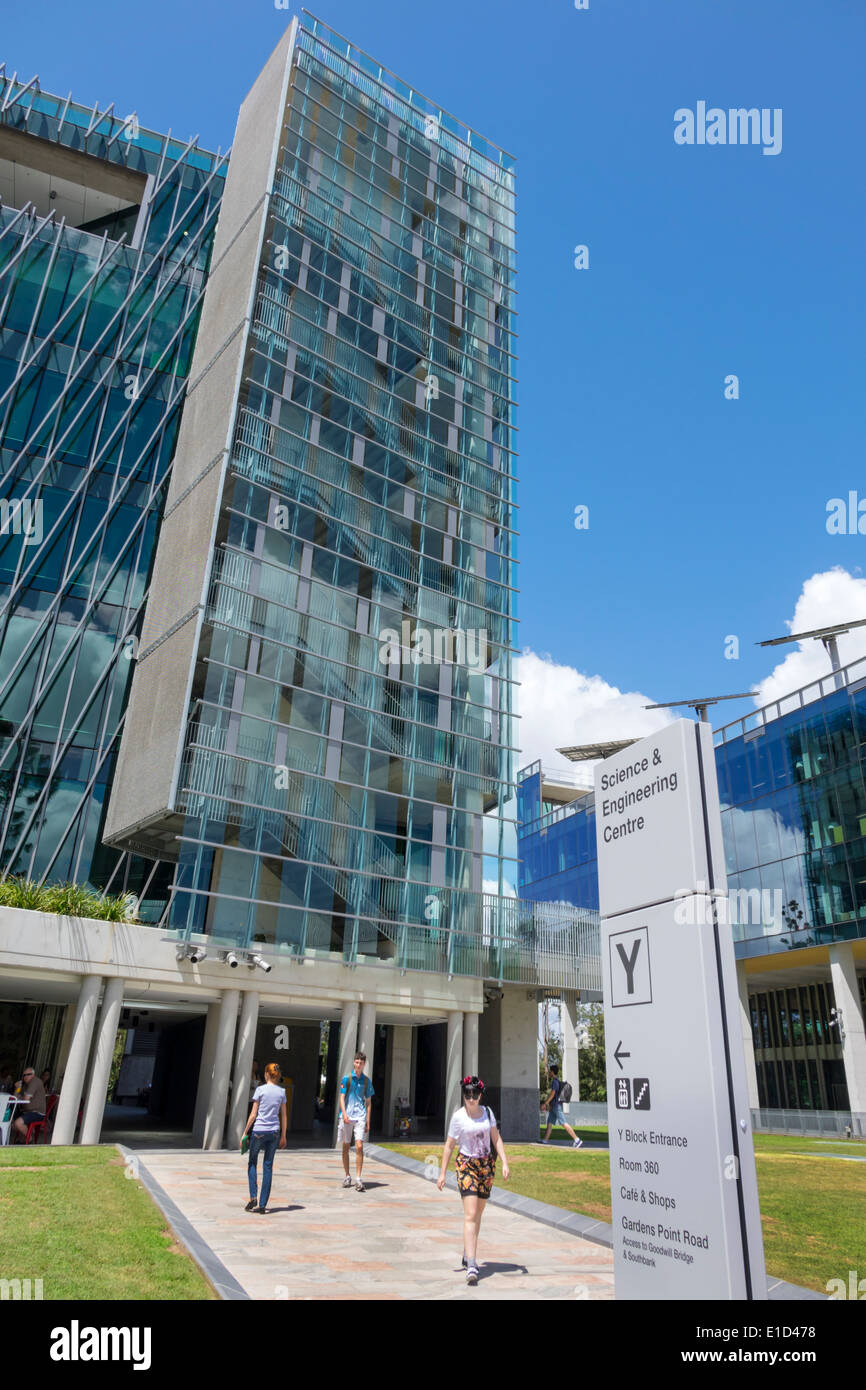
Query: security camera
(254,961)
(231,959)
(197,954)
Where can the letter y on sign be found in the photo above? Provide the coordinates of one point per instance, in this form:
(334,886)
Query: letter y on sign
(630,978)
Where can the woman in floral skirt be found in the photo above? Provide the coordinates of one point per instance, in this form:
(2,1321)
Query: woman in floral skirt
(473,1132)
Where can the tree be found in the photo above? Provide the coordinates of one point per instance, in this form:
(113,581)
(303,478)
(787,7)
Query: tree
(590,1032)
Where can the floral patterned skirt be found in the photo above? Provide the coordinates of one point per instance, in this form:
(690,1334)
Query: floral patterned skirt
(475,1175)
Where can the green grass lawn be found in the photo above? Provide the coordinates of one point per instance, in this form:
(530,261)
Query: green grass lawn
(70,1217)
(813,1210)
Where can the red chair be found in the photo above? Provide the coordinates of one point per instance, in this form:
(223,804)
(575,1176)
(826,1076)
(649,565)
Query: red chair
(37,1127)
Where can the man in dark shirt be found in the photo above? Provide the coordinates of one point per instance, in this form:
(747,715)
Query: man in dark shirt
(33,1092)
(555,1114)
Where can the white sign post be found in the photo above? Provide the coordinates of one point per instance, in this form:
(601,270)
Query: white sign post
(686,1222)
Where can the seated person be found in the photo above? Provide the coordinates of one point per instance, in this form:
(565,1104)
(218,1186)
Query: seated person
(7,1081)
(33,1093)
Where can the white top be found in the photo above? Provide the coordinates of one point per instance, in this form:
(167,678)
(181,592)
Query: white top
(473,1136)
(270,1098)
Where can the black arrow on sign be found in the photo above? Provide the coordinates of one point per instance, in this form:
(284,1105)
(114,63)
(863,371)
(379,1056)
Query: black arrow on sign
(619,1054)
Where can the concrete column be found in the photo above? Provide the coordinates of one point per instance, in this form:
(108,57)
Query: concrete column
(747,1035)
(570,1041)
(215,1116)
(348,1043)
(205,1073)
(103,1052)
(66,1035)
(398,1074)
(470,1044)
(453,1063)
(76,1062)
(244,1053)
(333,1059)
(367,1034)
(508,1046)
(844,977)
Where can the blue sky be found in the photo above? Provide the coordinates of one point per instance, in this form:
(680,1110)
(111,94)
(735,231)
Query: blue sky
(706,515)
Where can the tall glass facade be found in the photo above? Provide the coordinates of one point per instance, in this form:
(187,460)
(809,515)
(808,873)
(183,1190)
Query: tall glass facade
(558,860)
(105,232)
(350,749)
(794,817)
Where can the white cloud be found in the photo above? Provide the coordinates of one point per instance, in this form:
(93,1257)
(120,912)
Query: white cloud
(561,707)
(833,596)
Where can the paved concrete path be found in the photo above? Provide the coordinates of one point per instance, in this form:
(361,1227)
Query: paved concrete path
(401,1239)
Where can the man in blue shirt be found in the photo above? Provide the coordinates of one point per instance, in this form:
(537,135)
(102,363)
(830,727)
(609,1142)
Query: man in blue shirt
(356,1095)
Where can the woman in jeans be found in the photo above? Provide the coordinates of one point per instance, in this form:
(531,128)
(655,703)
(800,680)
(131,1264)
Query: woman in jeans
(473,1130)
(268,1123)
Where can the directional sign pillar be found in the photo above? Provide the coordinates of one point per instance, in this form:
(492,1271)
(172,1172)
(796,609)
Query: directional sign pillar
(686,1220)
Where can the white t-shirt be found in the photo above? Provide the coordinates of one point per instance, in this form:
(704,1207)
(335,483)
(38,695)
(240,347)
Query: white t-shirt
(473,1136)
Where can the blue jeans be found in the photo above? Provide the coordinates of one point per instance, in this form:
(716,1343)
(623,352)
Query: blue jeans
(267,1145)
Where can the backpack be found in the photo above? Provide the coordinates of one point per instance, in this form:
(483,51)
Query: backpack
(347,1080)
(492,1148)
(565,1093)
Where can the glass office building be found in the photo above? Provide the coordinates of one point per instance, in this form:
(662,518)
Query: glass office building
(258,632)
(792,787)
(105,235)
(556,838)
(340,757)
(370,486)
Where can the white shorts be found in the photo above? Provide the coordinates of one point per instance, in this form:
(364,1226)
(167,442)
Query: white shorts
(347,1128)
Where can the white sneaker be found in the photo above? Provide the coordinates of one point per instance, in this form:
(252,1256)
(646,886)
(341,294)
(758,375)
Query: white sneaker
(578,1144)
(347,1181)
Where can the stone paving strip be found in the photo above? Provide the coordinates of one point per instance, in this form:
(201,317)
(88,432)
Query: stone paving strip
(401,1239)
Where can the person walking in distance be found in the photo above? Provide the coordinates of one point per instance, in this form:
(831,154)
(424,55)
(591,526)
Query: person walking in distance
(267,1121)
(356,1096)
(473,1130)
(555,1115)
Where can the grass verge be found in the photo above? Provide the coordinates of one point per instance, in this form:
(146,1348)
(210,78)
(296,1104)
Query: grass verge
(70,1217)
